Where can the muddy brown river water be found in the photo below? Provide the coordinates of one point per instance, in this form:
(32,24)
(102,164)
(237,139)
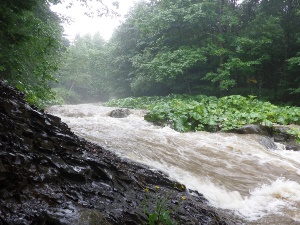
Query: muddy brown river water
(234,172)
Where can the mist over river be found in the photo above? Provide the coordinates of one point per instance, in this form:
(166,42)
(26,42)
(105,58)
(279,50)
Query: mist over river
(234,172)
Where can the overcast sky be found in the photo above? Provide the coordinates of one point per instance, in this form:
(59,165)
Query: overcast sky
(83,24)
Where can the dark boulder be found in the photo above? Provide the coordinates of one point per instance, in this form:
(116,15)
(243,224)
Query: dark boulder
(48,175)
(281,134)
(252,129)
(271,135)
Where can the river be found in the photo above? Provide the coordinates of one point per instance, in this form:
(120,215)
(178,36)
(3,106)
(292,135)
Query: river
(234,172)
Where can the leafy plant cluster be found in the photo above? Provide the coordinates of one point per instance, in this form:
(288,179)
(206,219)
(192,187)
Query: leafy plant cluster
(203,113)
(295,132)
(163,213)
(144,102)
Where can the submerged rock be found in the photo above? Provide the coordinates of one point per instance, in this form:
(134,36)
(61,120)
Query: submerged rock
(48,175)
(119,113)
(268,143)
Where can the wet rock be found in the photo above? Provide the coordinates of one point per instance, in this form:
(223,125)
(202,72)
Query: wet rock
(48,175)
(268,143)
(120,113)
(253,129)
(281,134)
(91,217)
(270,136)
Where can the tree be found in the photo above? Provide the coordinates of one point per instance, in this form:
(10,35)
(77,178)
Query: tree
(175,59)
(209,47)
(81,73)
(30,39)
(31,44)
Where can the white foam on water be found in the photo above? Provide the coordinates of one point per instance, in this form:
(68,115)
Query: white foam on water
(273,198)
(234,172)
(278,197)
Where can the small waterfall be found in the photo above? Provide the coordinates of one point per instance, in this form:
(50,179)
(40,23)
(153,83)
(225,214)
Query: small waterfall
(234,172)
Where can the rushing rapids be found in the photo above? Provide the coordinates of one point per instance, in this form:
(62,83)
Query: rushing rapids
(50,176)
(233,171)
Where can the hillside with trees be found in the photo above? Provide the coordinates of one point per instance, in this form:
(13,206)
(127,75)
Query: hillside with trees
(218,48)
(32,46)
(206,47)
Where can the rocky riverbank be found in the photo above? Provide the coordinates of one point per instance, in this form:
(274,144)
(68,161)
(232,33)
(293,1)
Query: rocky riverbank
(51,176)
(269,136)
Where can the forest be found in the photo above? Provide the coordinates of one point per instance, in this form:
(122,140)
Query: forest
(194,65)
(192,47)
(196,47)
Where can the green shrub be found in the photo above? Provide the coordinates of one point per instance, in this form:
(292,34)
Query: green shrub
(164,211)
(207,113)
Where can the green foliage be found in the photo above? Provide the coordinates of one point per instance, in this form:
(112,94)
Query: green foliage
(195,46)
(166,66)
(81,74)
(295,132)
(31,44)
(163,212)
(199,112)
